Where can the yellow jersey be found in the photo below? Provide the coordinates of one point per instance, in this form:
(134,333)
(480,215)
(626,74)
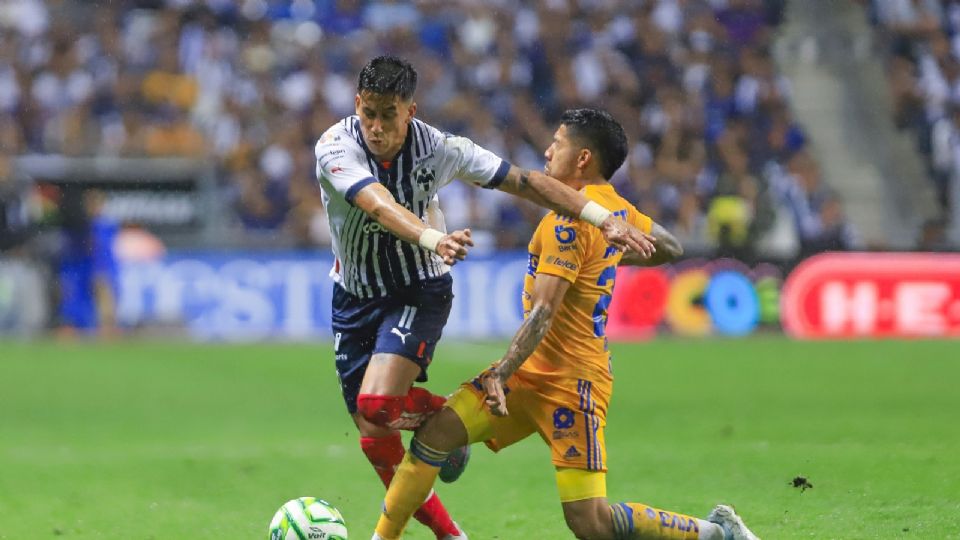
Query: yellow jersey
(575,346)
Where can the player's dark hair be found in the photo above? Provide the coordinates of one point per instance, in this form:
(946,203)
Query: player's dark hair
(388,75)
(597,130)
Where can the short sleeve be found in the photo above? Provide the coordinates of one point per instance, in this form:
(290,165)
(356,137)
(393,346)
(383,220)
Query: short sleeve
(562,245)
(341,164)
(476,164)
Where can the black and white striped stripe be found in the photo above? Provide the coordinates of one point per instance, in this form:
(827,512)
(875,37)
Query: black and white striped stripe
(374,262)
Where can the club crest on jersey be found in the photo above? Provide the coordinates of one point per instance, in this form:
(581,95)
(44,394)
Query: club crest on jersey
(425,177)
(563,418)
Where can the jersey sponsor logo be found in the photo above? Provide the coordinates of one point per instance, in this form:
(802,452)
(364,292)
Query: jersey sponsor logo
(329,137)
(563,418)
(571,453)
(565,235)
(373,227)
(560,434)
(567,247)
(332,153)
(403,336)
(562,263)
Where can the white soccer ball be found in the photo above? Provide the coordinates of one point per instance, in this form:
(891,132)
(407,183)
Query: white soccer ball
(308,518)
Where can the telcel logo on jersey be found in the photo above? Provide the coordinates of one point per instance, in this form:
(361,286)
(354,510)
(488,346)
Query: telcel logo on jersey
(557,261)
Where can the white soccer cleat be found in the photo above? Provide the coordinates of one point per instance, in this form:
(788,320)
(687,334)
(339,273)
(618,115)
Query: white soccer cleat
(461,536)
(733,526)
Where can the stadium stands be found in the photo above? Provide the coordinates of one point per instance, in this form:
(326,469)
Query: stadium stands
(921,43)
(716,152)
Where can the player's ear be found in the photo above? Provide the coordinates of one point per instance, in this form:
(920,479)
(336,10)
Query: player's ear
(411,111)
(584,159)
(356,103)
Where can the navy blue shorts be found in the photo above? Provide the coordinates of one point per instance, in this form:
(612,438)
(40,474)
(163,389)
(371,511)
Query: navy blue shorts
(408,323)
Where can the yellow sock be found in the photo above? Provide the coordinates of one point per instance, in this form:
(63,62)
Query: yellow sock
(410,486)
(633,521)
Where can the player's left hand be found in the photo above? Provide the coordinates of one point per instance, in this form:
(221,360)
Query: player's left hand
(454,246)
(494,398)
(622,235)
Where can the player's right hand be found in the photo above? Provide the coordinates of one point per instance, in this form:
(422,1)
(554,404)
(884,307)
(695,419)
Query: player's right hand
(453,247)
(622,235)
(494,397)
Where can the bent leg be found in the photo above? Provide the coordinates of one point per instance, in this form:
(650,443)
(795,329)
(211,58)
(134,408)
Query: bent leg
(418,471)
(591,517)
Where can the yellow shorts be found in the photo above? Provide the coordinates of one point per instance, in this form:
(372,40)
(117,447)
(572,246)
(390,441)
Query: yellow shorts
(568,414)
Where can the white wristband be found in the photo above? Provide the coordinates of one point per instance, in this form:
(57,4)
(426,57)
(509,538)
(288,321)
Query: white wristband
(594,214)
(429,239)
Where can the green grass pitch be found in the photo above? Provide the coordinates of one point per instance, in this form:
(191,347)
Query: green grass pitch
(146,440)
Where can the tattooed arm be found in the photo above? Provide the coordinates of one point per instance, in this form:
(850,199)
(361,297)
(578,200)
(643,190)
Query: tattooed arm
(548,293)
(553,194)
(668,249)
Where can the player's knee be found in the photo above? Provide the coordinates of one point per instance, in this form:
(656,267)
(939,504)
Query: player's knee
(443,431)
(588,521)
(587,528)
(380,410)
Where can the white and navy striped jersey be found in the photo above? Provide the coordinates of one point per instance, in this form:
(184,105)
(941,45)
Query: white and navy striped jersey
(370,261)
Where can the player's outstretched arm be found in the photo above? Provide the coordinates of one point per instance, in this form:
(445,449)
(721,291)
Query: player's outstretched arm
(553,194)
(378,203)
(548,293)
(668,249)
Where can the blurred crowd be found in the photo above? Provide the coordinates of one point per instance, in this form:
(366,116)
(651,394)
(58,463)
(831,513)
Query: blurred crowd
(922,42)
(716,153)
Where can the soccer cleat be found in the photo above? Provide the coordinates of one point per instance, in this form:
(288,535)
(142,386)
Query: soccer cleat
(733,527)
(461,536)
(455,464)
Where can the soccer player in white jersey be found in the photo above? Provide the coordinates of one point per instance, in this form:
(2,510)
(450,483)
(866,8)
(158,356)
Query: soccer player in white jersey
(379,172)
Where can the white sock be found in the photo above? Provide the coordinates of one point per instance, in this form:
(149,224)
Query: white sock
(709,530)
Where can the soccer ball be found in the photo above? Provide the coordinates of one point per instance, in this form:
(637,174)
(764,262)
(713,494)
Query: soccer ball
(308,518)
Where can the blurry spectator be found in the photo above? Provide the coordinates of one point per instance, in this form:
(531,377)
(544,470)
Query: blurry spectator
(923,40)
(945,157)
(88,268)
(830,232)
(15,219)
(933,236)
(261,204)
(171,134)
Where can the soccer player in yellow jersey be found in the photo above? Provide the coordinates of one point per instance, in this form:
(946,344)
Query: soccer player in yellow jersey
(555,379)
